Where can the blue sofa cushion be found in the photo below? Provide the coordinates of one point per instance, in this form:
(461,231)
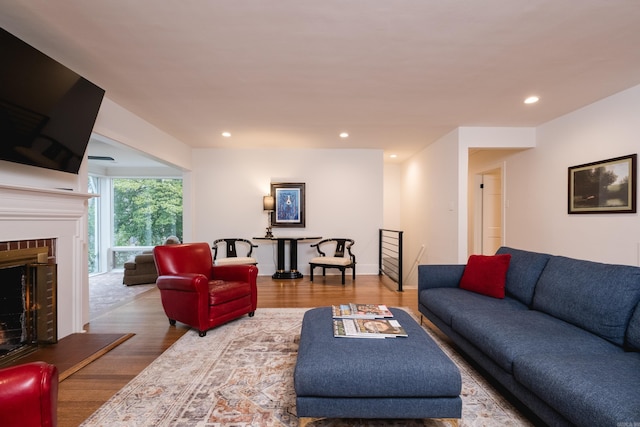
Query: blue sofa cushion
(524,270)
(587,389)
(505,335)
(445,302)
(633,331)
(597,297)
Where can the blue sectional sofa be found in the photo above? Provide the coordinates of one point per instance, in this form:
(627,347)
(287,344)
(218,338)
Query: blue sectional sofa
(564,340)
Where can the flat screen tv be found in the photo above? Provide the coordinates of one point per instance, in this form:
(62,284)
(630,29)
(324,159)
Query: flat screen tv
(47,111)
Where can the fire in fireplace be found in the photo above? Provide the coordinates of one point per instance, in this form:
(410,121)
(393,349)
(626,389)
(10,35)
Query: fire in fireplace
(27,302)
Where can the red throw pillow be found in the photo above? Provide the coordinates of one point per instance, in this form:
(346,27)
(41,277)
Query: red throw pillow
(486,274)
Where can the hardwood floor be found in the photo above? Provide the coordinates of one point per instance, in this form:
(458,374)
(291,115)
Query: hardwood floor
(85,391)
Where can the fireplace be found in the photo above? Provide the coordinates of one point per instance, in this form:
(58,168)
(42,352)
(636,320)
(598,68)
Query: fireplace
(28,299)
(57,219)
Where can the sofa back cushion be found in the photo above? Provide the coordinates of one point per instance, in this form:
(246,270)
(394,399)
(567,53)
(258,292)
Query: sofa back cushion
(524,271)
(633,331)
(599,298)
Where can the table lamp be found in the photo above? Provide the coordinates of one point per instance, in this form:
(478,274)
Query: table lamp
(268,205)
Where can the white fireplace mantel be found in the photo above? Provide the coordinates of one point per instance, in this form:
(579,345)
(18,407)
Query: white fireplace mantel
(36,202)
(28,213)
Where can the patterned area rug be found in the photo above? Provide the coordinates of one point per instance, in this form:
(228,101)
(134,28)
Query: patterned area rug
(241,374)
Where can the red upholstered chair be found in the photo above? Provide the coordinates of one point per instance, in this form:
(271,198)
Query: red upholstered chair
(195,292)
(29,395)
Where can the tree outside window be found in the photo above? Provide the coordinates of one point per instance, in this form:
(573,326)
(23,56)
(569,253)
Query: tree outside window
(146,211)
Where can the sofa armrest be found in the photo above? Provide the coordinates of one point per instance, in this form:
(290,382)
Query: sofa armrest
(192,282)
(439,276)
(29,395)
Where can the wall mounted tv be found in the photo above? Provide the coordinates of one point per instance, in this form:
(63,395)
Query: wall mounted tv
(47,111)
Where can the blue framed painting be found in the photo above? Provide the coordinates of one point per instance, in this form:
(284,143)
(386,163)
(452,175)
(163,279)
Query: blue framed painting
(289,204)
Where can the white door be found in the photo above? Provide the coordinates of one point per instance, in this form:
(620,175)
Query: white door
(491,212)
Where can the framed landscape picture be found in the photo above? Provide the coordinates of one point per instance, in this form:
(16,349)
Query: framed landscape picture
(289,207)
(607,186)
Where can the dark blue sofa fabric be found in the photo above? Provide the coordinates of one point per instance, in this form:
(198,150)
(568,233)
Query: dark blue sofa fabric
(505,335)
(580,310)
(597,297)
(524,270)
(440,276)
(587,389)
(373,378)
(448,302)
(371,367)
(633,331)
(367,407)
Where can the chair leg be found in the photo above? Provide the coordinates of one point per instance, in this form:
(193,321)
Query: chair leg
(172,322)
(342,270)
(311,274)
(202,333)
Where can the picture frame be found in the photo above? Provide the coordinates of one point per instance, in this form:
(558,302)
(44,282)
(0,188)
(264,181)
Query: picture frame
(606,186)
(289,209)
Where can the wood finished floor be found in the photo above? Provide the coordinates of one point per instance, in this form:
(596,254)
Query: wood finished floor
(85,391)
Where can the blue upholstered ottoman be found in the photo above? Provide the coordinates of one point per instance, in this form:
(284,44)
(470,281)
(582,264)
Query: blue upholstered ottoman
(373,378)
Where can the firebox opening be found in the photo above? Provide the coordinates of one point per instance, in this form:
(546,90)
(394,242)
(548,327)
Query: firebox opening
(28,314)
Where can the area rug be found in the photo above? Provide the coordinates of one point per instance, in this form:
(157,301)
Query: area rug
(241,374)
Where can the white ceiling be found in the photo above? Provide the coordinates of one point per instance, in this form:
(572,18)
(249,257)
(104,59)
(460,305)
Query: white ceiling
(395,74)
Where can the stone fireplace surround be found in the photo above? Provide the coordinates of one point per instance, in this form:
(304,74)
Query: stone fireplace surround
(34,215)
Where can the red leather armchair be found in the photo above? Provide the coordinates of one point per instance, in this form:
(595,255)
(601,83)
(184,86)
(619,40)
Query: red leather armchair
(195,292)
(29,395)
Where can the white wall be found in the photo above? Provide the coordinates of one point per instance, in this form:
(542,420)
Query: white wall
(429,206)
(537,215)
(119,124)
(343,198)
(392,196)
(535,184)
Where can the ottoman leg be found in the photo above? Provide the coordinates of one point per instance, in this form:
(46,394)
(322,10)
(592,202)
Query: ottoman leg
(453,422)
(303,421)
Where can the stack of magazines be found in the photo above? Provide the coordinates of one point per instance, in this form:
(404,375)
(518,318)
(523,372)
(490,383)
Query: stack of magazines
(365,321)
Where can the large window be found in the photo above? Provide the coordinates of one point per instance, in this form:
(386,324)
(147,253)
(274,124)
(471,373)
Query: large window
(146,211)
(131,213)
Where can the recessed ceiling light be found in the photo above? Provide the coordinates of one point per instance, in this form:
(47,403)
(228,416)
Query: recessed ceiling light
(393,156)
(344,135)
(226,134)
(531,100)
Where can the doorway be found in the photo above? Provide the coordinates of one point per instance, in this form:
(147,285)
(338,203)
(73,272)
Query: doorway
(489,224)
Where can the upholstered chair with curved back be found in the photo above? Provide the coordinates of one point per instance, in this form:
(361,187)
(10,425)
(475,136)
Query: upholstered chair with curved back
(340,257)
(29,395)
(195,292)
